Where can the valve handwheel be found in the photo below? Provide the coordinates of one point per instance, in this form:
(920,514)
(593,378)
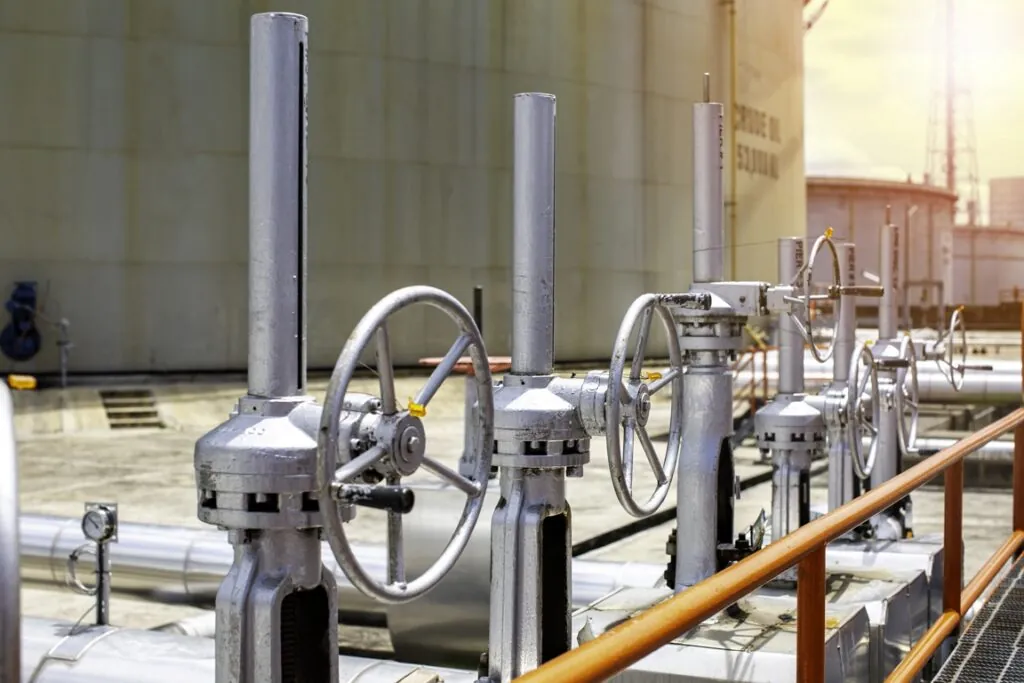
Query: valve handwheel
(804,299)
(628,405)
(397,444)
(858,423)
(956,370)
(907,397)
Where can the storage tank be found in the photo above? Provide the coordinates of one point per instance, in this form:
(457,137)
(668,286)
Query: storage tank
(988,265)
(856,208)
(123,143)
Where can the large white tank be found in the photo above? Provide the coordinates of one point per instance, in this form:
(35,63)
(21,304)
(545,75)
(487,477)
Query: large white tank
(856,208)
(123,139)
(988,265)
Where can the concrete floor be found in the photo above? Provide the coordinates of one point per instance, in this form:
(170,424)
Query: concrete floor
(68,455)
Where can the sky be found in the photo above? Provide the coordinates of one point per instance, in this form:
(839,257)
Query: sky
(872,65)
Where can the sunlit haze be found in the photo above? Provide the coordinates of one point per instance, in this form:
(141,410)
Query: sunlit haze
(872,66)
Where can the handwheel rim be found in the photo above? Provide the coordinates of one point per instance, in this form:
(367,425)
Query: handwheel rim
(907,435)
(329,435)
(956,377)
(807,271)
(614,399)
(856,421)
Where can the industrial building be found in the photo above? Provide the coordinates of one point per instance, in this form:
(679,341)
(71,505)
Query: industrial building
(125,161)
(1006,202)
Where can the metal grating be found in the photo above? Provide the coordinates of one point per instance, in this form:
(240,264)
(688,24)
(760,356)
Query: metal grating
(991,649)
(131,409)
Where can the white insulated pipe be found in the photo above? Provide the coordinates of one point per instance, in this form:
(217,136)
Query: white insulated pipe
(10,579)
(98,654)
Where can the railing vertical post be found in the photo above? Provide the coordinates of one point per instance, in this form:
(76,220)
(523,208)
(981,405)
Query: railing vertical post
(810,617)
(1018,452)
(953,526)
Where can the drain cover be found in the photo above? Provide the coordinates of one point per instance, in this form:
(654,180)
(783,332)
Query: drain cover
(131,409)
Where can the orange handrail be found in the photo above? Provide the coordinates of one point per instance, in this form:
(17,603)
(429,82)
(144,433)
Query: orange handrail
(631,641)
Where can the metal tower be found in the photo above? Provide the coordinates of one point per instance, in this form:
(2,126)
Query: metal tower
(952,154)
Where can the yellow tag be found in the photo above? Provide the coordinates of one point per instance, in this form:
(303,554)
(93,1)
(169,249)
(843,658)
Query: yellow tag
(828,232)
(910,534)
(416,410)
(869,342)
(960,309)
(832,622)
(650,376)
(21,382)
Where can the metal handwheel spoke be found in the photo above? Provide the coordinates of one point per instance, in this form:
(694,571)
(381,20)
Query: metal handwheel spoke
(666,378)
(641,345)
(399,445)
(353,468)
(450,476)
(441,372)
(651,453)
(628,448)
(627,404)
(386,372)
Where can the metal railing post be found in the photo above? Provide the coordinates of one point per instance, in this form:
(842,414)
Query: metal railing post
(810,617)
(1018,452)
(953,527)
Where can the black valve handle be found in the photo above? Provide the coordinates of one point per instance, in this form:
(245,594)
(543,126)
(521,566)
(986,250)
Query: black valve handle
(398,499)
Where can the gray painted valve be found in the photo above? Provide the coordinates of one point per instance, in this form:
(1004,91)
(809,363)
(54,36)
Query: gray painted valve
(366,440)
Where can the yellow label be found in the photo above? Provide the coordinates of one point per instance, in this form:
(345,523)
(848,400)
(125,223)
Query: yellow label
(650,376)
(21,382)
(416,410)
(828,232)
(832,622)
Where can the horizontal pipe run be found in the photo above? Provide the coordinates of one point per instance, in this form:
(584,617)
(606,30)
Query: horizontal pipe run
(990,570)
(925,648)
(631,641)
(185,566)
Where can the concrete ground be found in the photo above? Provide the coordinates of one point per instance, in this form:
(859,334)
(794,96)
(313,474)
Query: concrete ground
(68,455)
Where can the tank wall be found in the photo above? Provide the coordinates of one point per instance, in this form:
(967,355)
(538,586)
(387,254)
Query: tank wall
(771,191)
(124,164)
(856,215)
(987,265)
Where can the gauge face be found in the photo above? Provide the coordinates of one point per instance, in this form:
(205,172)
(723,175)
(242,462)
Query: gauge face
(96,525)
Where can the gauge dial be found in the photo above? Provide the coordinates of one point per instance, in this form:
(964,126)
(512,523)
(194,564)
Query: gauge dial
(98,525)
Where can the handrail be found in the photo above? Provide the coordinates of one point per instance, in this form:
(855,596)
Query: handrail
(631,641)
(10,576)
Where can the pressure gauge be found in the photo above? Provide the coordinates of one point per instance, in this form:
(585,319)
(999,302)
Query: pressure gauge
(99,524)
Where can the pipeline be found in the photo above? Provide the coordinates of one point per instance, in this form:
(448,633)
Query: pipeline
(447,626)
(10,583)
(103,654)
(1000,386)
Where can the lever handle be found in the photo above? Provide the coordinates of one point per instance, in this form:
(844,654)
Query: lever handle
(398,499)
(983,368)
(892,363)
(861,290)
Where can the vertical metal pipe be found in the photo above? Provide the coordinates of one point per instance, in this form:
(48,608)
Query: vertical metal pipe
(953,526)
(277,205)
(707,403)
(847,339)
(102,583)
(10,566)
(810,618)
(791,343)
(478,307)
(889,264)
(533,246)
(708,199)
